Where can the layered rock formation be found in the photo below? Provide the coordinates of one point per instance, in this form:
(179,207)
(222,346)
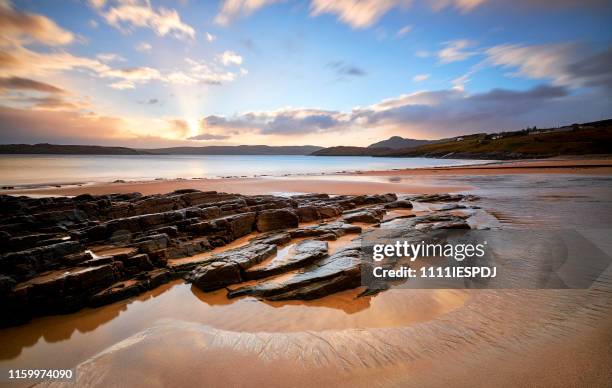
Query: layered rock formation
(58,255)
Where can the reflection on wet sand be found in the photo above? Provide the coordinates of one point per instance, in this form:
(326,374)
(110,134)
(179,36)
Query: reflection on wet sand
(64,340)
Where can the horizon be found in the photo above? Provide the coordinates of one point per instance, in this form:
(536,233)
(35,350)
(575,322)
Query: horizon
(157,74)
(276,145)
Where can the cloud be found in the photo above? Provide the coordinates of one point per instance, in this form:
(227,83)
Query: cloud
(210,37)
(122,85)
(22,62)
(462,5)
(343,69)
(361,14)
(454,112)
(55,103)
(179,127)
(17,83)
(234,9)
(125,14)
(143,47)
(229,58)
(364,13)
(23,28)
(57,126)
(287,121)
(110,57)
(566,64)
(209,73)
(404,30)
(428,114)
(150,101)
(209,136)
(422,54)
(456,50)
(355,13)
(420,77)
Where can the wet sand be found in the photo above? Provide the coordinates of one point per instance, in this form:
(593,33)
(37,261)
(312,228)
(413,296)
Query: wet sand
(343,183)
(176,335)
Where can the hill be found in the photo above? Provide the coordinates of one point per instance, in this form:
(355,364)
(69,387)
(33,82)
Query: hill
(577,139)
(351,151)
(58,149)
(397,142)
(237,150)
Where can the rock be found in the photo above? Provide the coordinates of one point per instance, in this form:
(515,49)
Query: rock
(152,243)
(215,275)
(308,213)
(137,263)
(6,285)
(444,198)
(302,254)
(370,216)
(276,219)
(399,204)
(116,292)
(29,262)
(339,272)
(281,238)
(330,211)
(248,255)
(337,228)
(48,267)
(65,291)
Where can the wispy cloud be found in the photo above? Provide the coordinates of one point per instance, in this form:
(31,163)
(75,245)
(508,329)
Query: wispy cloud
(143,47)
(128,14)
(456,50)
(403,31)
(210,37)
(229,58)
(567,64)
(234,9)
(420,77)
(343,69)
(17,27)
(17,83)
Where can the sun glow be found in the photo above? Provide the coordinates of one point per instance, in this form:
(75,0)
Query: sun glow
(193,126)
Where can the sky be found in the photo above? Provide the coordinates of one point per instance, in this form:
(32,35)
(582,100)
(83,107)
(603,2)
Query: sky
(148,73)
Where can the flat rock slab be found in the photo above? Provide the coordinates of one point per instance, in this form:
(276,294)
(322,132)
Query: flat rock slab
(227,268)
(338,272)
(369,216)
(297,256)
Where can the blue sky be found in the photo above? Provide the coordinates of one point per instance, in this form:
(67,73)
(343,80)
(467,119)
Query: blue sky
(161,73)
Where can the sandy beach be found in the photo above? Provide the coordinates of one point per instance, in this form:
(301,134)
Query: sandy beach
(398,337)
(361,182)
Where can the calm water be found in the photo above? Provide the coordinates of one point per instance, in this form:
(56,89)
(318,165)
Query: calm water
(38,169)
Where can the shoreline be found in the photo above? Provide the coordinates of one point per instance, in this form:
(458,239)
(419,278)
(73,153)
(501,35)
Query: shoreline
(341,183)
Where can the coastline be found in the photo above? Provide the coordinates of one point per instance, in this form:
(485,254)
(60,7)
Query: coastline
(435,327)
(342,183)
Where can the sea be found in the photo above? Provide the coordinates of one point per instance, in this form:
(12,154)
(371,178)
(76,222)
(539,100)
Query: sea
(35,170)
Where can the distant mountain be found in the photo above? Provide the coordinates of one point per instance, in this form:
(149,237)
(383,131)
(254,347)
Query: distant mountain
(237,150)
(397,142)
(576,139)
(351,151)
(58,149)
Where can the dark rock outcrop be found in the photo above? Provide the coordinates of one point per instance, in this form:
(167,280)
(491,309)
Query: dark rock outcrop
(60,254)
(268,220)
